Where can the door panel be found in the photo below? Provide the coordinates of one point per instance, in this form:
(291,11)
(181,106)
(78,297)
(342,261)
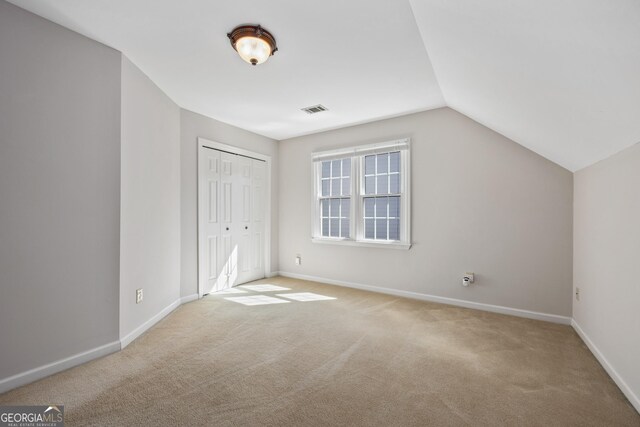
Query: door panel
(245,258)
(243,219)
(246,202)
(227,188)
(258,215)
(229,267)
(213,201)
(209,226)
(213,257)
(257,251)
(229,241)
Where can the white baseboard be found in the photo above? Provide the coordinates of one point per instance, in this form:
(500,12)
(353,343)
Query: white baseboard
(127,339)
(433,298)
(272,274)
(635,401)
(188,298)
(40,372)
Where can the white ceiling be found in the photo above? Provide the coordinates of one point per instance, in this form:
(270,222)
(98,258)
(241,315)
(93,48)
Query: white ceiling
(559,77)
(362,59)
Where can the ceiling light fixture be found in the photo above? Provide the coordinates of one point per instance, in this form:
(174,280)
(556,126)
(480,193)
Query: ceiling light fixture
(253,43)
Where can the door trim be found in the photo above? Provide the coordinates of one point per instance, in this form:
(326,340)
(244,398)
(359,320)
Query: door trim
(204,144)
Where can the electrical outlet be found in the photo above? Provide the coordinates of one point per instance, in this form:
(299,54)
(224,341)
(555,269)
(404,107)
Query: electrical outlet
(298,260)
(467,279)
(139,296)
(577,294)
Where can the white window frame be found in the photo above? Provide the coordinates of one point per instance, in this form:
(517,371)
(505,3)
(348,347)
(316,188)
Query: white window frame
(356,220)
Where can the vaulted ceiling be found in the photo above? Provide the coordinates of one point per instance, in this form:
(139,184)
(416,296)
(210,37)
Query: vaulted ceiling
(559,77)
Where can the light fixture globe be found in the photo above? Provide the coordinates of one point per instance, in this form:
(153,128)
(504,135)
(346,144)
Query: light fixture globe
(253,43)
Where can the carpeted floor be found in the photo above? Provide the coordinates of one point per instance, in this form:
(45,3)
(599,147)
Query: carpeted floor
(360,359)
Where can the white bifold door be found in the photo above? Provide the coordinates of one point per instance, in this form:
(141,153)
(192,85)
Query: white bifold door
(232,229)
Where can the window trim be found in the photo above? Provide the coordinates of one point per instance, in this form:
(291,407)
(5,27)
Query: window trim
(356,220)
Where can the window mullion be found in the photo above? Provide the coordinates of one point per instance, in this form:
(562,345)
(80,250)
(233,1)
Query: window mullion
(356,198)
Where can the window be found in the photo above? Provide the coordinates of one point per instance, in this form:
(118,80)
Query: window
(361,196)
(335,197)
(382,196)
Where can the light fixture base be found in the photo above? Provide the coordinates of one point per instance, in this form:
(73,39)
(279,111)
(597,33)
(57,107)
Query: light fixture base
(253,43)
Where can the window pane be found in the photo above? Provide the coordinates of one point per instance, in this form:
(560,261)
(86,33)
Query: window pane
(335,187)
(394,229)
(335,168)
(369,204)
(335,208)
(369,228)
(381,207)
(394,207)
(335,228)
(325,187)
(346,186)
(369,165)
(395,162)
(383,184)
(381,229)
(394,180)
(346,205)
(326,169)
(344,228)
(346,167)
(383,163)
(325,208)
(370,185)
(325,227)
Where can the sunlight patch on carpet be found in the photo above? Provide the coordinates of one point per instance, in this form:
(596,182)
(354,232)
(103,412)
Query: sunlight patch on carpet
(229,291)
(257,300)
(264,288)
(306,296)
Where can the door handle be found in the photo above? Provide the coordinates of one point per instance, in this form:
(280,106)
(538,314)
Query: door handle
(246,228)
(227,228)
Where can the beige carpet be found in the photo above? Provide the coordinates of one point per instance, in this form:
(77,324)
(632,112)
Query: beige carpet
(361,359)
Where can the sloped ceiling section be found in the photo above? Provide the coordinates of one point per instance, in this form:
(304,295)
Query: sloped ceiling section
(362,59)
(559,77)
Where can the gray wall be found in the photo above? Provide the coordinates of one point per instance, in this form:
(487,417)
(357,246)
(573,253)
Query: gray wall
(606,259)
(59,192)
(192,126)
(150,199)
(480,203)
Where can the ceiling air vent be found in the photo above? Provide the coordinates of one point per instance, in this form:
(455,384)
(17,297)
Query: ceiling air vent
(315,109)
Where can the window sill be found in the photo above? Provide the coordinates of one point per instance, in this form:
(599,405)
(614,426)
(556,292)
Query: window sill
(362,243)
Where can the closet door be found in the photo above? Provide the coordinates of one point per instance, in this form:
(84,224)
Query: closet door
(258,215)
(229,212)
(249,221)
(231,220)
(243,218)
(210,269)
